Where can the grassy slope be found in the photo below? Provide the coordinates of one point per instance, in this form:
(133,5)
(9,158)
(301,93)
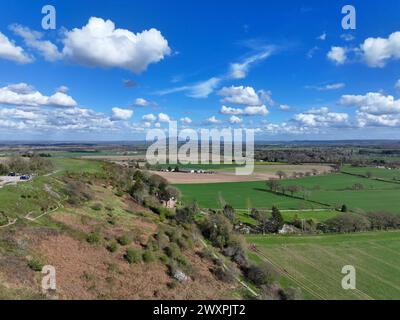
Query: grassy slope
(316,263)
(30,197)
(97,272)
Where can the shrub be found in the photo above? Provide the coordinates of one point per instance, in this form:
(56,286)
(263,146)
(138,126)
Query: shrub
(133,256)
(124,240)
(173,251)
(186,214)
(112,246)
(235,250)
(112,220)
(4,169)
(97,207)
(223,275)
(93,238)
(259,275)
(151,245)
(148,256)
(229,212)
(35,265)
(217,229)
(162,240)
(164,259)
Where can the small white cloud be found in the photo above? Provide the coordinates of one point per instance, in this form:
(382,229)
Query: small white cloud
(284,107)
(121,114)
(149,117)
(240,70)
(240,96)
(186,120)
(60,99)
(328,87)
(256,111)
(62,89)
(322,37)
(203,89)
(213,120)
(235,120)
(9,51)
(397,84)
(347,37)
(199,90)
(141,102)
(230,111)
(337,55)
(162,117)
(248,111)
(312,52)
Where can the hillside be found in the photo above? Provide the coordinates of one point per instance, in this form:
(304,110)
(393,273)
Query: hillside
(103,244)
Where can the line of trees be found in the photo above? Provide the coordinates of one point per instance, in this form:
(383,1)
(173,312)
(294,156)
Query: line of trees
(34,164)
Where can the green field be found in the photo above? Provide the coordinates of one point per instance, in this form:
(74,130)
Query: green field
(376,173)
(76,165)
(239,195)
(314,263)
(332,190)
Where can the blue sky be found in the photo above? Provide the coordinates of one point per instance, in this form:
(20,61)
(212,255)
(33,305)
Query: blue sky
(113,69)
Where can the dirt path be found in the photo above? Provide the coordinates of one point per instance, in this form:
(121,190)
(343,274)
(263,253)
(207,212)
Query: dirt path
(59,206)
(10,223)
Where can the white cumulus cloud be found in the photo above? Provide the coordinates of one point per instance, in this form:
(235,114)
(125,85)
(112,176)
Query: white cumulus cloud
(186,120)
(9,51)
(378,51)
(372,103)
(321,118)
(149,117)
(213,120)
(337,55)
(22,94)
(240,96)
(162,117)
(235,120)
(141,102)
(121,114)
(99,43)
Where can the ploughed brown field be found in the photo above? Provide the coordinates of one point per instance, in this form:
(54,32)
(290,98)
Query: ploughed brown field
(261,172)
